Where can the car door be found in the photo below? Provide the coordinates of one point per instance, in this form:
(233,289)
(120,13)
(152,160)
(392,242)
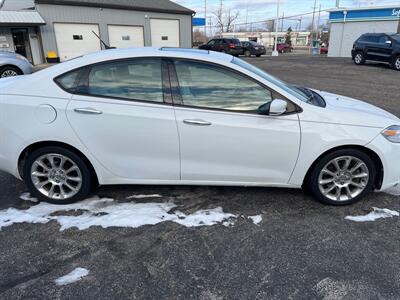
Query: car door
(372,47)
(121,114)
(223,137)
(384,48)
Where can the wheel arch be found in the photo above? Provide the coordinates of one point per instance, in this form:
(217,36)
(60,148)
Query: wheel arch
(13,66)
(373,155)
(29,149)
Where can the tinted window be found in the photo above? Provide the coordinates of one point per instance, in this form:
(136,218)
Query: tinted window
(235,41)
(134,80)
(383,39)
(69,80)
(209,86)
(396,37)
(212,42)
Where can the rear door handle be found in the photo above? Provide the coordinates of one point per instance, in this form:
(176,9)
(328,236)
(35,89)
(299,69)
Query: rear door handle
(197,122)
(88,111)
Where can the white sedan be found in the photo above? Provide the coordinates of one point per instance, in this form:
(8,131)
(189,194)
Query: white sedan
(193,117)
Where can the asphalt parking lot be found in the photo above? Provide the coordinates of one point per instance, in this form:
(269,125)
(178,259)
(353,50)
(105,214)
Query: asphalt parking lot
(300,250)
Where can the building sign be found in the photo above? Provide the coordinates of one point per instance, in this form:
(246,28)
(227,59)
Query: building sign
(377,14)
(199,22)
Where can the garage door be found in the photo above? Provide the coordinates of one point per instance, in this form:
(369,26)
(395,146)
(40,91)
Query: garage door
(74,40)
(164,33)
(125,36)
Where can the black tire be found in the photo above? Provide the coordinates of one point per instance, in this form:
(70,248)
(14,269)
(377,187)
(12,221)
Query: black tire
(359,58)
(258,55)
(313,182)
(396,63)
(247,53)
(12,69)
(87,178)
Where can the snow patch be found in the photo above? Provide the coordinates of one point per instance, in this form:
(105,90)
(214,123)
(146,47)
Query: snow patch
(72,277)
(377,213)
(256,219)
(144,196)
(28,197)
(108,213)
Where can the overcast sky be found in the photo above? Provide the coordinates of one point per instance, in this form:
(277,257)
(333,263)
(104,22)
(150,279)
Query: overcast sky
(258,10)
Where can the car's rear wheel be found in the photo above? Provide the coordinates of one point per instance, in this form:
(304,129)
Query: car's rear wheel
(359,58)
(396,63)
(57,175)
(258,55)
(9,71)
(247,53)
(342,177)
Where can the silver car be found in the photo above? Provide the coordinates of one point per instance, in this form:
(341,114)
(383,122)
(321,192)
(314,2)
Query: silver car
(13,64)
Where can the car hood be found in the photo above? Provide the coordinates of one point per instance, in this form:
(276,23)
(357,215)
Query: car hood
(344,110)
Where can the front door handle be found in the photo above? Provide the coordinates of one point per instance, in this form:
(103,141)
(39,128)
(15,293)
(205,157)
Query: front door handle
(197,122)
(88,111)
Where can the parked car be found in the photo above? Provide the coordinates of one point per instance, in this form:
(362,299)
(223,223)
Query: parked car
(229,46)
(324,49)
(13,64)
(379,47)
(283,48)
(183,116)
(252,48)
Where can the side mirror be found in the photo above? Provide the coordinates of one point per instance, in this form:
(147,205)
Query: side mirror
(388,42)
(278,107)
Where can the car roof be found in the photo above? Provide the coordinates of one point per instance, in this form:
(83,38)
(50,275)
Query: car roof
(126,53)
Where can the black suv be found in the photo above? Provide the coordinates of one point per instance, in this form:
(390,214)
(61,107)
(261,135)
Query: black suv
(379,47)
(230,46)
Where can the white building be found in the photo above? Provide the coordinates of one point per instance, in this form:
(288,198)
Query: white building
(347,25)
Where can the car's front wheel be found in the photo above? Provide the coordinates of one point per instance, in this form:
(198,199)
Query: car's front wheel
(342,177)
(359,58)
(247,53)
(9,71)
(57,175)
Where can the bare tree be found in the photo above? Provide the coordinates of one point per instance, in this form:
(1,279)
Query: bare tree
(225,21)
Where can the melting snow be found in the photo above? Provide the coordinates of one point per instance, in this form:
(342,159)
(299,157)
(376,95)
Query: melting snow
(256,219)
(72,277)
(377,213)
(108,213)
(144,196)
(28,197)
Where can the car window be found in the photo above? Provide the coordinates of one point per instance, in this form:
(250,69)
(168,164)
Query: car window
(212,42)
(69,80)
(209,86)
(383,39)
(133,80)
(219,42)
(235,41)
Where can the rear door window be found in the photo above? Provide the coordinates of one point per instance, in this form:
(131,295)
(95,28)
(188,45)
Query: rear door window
(137,79)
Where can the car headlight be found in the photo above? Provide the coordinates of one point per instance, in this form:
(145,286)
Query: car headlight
(392,134)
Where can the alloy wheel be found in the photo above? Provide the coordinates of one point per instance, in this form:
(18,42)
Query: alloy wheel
(343,178)
(397,63)
(358,58)
(9,73)
(56,176)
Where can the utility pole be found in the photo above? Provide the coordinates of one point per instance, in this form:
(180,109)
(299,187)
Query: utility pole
(337,3)
(205,18)
(319,18)
(301,17)
(222,22)
(275,52)
(313,18)
(283,17)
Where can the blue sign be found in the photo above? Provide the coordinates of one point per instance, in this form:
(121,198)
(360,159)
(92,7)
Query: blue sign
(199,22)
(378,14)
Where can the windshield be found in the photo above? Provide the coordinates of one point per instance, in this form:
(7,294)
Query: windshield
(285,86)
